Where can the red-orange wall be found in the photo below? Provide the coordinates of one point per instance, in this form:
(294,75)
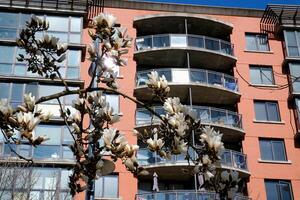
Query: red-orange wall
(286,130)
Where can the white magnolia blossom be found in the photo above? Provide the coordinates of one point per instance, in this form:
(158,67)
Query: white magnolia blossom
(76,117)
(29,101)
(105,20)
(172,105)
(158,83)
(5,108)
(206,160)
(108,136)
(155,144)
(213,139)
(29,120)
(180,147)
(208,175)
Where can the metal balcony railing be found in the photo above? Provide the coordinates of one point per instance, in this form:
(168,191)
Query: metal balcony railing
(229,158)
(207,115)
(191,76)
(74,5)
(183,195)
(181,41)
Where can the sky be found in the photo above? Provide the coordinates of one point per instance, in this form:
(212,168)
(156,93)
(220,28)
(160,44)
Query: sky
(259,4)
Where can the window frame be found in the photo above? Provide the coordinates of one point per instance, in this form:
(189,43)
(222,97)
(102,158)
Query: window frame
(279,182)
(272,141)
(266,103)
(297,36)
(102,190)
(64,67)
(261,73)
(257,45)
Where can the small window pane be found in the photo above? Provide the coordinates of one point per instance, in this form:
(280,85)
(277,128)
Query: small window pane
(43,152)
(272,191)
(266,150)
(285,190)
(8,19)
(52,132)
(75,24)
(279,150)
(267,76)
(113,101)
(260,111)
(20,70)
(7,54)
(74,58)
(17,92)
(251,42)
(73,73)
(58,23)
(4,88)
(75,38)
(111,186)
(5,69)
(32,88)
(255,75)
(273,112)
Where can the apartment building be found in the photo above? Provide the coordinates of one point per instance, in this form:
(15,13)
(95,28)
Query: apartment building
(236,67)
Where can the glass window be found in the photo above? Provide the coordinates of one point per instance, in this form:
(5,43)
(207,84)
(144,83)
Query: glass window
(294,73)
(17,92)
(266,111)
(113,101)
(75,24)
(261,75)
(52,132)
(46,151)
(8,25)
(291,42)
(5,89)
(7,54)
(272,149)
(58,23)
(278,190)
(257,42)
(107,186)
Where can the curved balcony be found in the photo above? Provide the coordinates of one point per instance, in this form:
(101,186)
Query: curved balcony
(230,159)
(227,122)
(181,23)
(203,51)
(207,86)
(183,194)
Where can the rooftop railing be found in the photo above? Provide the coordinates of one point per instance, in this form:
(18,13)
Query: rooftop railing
(229,158)
(207,115)
(191,76)
(181,41)
(73,5)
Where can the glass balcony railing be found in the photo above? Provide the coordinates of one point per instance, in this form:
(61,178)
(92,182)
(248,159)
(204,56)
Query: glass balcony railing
(229,158)
(207,115)
(177,195)
(183,195)
(182,41)
(191,76)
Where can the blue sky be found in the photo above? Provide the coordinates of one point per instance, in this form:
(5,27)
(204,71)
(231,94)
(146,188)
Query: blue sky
(259,4)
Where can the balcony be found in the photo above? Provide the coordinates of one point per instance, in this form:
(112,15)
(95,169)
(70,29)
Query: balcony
(227,122)
(183,194)
(161,50)
(207,86)
(230,159)
(182,23)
